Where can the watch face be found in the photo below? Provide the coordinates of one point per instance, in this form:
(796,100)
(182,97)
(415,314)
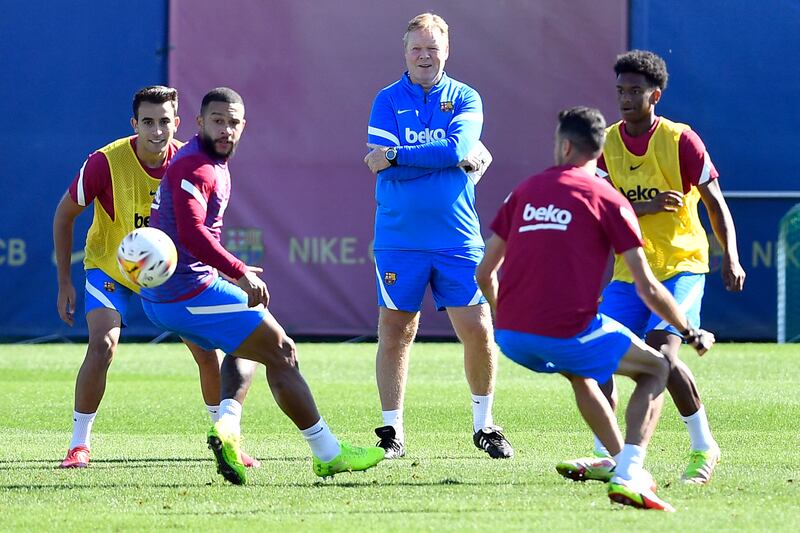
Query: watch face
(391,153)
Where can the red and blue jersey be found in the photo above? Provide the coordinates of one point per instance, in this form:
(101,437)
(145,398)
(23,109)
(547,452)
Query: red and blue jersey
(189,207)
(559,227)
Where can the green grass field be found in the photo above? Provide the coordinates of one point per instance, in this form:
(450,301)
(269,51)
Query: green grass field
(151,470)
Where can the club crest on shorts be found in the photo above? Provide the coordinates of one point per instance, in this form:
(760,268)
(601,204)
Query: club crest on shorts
(446,106)
(109,286)
(389,278)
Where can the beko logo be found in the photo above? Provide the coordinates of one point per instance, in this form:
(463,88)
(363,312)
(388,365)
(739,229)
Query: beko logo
(550,217)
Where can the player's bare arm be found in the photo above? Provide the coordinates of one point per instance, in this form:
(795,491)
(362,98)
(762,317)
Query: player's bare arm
(722,223)
(63,225)
(661,302)
(666,201)
(486,273)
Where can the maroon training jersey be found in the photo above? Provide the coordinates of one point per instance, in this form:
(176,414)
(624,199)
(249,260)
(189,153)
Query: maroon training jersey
(189,207)
(559,227)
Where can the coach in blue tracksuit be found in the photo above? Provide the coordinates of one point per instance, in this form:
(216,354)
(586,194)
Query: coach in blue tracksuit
(424,133)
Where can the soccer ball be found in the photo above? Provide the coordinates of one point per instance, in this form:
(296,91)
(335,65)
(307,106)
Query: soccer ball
(147,257)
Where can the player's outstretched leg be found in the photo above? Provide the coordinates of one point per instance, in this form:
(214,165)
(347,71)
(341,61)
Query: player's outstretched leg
(269,345)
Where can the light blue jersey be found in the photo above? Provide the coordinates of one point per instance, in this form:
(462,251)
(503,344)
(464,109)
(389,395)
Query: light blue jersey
(426,202)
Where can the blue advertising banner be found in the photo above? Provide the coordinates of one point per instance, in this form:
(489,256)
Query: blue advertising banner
(70,70)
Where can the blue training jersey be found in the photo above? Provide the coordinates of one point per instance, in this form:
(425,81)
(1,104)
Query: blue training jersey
(426,202)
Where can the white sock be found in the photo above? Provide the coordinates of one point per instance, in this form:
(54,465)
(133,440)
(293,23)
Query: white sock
(599,447)
(630,461)
(699,431)
(230,415)
(81,429)
(213,412)
(395,419)
(323,444)
(482,411)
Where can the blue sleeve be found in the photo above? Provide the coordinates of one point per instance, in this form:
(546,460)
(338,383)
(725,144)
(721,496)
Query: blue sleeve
(383,131)
(462,134)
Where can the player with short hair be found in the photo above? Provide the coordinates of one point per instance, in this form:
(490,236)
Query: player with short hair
(422,132)
(664,169)
(199,304)
(552,237)
(120,179)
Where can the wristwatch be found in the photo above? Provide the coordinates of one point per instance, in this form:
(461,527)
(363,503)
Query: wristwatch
(391,156)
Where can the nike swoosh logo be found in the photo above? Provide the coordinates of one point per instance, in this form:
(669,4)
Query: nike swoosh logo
(152,193)
(401,111)
(637,166)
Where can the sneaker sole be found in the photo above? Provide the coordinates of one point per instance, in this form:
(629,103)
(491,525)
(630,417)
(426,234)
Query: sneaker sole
(496,454)
(499,455)
(580,475)
(223,468)
(390,454)
(76,465)
(623,499)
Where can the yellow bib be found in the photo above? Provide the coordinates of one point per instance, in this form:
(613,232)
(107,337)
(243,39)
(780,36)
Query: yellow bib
(133,190)
(674,242)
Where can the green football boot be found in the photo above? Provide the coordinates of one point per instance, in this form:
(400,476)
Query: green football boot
(640,494)
(227,454)
(701,466)
(598,467)
(350,459)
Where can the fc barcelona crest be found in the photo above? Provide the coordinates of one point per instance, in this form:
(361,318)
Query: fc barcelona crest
(246,243)
(109,286)
(389,278)
(447,106)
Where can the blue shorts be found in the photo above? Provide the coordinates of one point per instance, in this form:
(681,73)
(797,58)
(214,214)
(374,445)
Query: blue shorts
(593,353)
(621,303)
(218,317)
(403,276)
(101,290)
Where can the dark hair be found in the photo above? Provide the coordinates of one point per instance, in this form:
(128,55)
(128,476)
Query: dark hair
(585,127)
(648,64)
(155,94)
(220,94)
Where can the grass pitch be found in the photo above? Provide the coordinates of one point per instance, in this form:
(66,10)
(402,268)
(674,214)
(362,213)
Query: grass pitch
(151,470)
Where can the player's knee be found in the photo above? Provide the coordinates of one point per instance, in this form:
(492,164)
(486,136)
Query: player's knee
(101,349)
(284,354)
(396,336)
(661,369)
(206,358)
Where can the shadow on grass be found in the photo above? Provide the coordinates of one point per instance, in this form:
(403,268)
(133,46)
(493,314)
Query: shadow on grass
(50,464)
(257,486)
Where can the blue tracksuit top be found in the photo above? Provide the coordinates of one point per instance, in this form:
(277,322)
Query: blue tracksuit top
(426,202)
